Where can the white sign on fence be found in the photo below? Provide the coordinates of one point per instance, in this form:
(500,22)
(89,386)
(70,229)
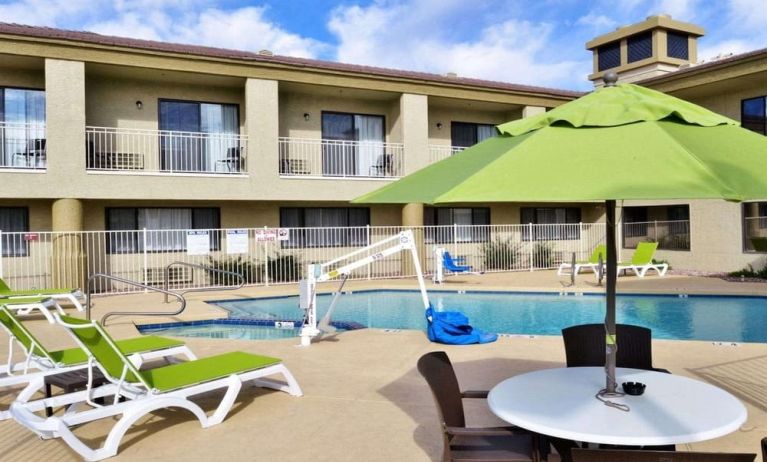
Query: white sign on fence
(283,234)
(197,242)
(236,241)
(266,235)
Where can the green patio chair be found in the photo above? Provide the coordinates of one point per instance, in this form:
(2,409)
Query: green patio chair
(73,296)
(592,263)
(143,391)
(40,362)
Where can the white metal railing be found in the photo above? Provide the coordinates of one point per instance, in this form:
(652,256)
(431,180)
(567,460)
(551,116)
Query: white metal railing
(670,235)
(22,146)
(755,234)
(60,259)
(338,158)
(438,152)
(163,151)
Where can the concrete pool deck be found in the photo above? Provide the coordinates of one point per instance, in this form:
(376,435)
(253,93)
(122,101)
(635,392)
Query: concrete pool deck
(364,400)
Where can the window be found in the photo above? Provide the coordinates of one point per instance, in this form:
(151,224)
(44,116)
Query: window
(755,226)
(332,226)
(168,228)
(753,115)
(14,220)
(609,56)
(677,45)
(22,137)
(465,134)
(635,222)
(551,216)
(355,144)
(441,224)
(639,47)
(195,150)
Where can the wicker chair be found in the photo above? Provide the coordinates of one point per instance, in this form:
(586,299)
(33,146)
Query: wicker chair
(472,444)
(585,346)
(601,455)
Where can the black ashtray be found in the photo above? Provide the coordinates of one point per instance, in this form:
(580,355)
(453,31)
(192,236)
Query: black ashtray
(633,388)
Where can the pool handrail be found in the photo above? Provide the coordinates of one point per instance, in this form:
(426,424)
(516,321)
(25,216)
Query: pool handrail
(130,282)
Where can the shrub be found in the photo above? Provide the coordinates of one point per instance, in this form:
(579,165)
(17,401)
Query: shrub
(284,268)
(500,254)
(543,255)
(749,272)
(250,271)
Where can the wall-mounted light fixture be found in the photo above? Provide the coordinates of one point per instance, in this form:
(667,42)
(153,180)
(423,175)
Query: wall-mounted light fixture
(139,105)
(439,125)
(307,116)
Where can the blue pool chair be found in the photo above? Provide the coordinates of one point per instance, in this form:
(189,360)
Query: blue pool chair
(450,264)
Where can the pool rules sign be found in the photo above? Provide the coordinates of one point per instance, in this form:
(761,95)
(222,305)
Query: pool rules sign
(236,241)
(197,242)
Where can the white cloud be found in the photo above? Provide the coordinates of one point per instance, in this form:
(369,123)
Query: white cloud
(683,10)
(42,12)
(599,22)
(405,36)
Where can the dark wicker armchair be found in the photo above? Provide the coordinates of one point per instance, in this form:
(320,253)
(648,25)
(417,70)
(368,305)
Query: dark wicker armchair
(472,444)
(585,346)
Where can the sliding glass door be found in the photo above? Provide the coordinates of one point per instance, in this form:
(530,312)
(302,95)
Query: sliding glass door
(22,134)
(202,135)
(353,144)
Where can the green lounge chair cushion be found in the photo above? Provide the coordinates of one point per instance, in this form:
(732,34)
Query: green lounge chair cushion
(644,253)
(74,356)
(182,375)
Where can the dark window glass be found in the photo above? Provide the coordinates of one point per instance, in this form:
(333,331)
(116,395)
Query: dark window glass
(677,45)
(465,134)
(14,220)
(342,155)
(679,215)
(755,227)
(753,115)
(550,216)
(635,219)
(639,47)
(609,56)
(331,226)
(456,224)
(165,228)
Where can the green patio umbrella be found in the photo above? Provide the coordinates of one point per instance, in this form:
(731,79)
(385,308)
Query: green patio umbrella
(618,142)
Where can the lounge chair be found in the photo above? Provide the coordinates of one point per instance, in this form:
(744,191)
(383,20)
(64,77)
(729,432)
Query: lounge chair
(73,296)
(466,443)
(592,263)
(26,305)
(642,261)
(452,264)
(609,455)
(40,362)
(143,391)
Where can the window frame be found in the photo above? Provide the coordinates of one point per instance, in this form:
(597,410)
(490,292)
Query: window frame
(762,224)
(215,238)
(352,114)
(475,126)
(24,252)
(199,109)
(480,232)
(298,238)
(764,116)
(538,235)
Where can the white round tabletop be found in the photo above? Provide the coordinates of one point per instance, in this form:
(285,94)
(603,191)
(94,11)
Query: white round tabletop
(561,403)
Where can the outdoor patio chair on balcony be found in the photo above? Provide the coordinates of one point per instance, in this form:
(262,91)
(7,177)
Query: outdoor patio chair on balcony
(603,455)
(467,443)
(233,162)
(39,362)
(384,166)
(34,154)
(585,346)
(68,295)
(143,391)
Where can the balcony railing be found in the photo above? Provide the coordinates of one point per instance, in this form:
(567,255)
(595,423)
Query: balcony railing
(439,152)
(670,235)
(161,151)
(336,158)
(22,146)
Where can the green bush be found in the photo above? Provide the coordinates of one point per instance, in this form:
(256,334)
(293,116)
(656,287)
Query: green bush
(749,272)
(251,272)
(500,254)
(543,255)
(284,268)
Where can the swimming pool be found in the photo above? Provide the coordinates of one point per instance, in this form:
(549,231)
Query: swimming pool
(715,318)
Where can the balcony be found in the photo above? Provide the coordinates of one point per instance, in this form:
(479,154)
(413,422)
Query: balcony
(138,151)
(440,152)
(22,146)
(321,158)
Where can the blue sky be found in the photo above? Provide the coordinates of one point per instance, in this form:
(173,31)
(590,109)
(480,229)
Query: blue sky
(531,42)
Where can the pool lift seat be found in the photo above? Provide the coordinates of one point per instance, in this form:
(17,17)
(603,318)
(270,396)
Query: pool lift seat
(342,267)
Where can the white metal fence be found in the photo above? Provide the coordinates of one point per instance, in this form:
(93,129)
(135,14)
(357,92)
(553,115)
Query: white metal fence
(339,158)
(162,151)
(670,235)
(439,152)
(59,259)
(22,146)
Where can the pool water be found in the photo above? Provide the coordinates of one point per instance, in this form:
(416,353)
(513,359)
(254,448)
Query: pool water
(216,329)
(715,318)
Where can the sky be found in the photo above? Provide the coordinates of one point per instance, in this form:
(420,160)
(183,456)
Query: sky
(534,42)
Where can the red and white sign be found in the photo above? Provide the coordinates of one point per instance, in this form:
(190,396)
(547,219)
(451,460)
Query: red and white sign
(31,237)
(266,235)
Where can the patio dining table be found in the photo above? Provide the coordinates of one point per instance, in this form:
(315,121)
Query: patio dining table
(561,403)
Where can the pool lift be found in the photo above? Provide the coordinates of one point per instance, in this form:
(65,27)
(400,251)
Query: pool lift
(343,266)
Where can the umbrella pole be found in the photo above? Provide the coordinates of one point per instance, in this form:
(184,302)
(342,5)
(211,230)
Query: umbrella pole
(612,276)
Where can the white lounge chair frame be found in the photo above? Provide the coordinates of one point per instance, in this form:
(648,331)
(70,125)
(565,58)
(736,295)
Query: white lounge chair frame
(75,297)
(642,270)
(141,400)
(35,367)
(578,267)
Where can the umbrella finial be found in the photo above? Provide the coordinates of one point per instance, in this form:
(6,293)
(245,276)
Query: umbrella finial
(610,78)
